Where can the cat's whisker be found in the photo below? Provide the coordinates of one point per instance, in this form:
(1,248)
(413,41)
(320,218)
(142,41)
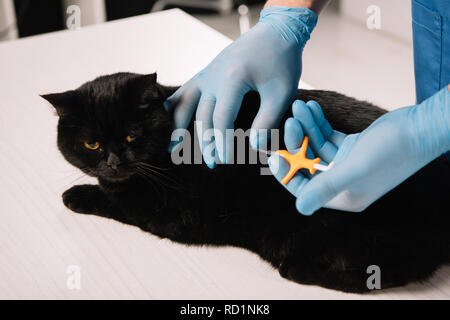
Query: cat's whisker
(69,173)
(157,180)
(76,180)
(162,176)
(152,166)
(148,179)
(144,164)
(150,175)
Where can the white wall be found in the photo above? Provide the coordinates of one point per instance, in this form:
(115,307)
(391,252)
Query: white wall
(395,15)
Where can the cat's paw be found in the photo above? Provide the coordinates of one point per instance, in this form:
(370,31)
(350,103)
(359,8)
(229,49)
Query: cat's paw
(86,199)
(337,277)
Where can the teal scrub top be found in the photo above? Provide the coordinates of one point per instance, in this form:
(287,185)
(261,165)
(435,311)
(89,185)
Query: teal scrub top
(431,36)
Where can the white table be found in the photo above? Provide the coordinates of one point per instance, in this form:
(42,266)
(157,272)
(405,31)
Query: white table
(40,238)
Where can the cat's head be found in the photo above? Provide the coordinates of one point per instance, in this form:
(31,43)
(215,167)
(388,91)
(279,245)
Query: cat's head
(109,126)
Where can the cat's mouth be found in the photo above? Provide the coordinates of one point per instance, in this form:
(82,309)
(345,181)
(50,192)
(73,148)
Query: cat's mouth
(116,176)
(125,170)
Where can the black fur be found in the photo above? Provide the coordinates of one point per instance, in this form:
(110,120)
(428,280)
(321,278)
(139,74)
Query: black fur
(405,233)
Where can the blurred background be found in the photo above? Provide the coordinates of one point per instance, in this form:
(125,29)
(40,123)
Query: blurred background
(344,54)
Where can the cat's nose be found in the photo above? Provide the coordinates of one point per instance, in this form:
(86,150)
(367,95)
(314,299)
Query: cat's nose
(113,160)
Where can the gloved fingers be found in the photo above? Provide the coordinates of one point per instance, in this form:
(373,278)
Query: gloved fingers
(204,127)
(345,147)
(293,134)
(320,146)
(184,93)
(183,104)
(293,137)
(273,107)
(173,100)
(334,136)
(280,167)
(225,113)
(337,138)
(319,118)
(324,187)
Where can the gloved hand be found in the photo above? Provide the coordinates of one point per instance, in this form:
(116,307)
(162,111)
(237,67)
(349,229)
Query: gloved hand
(368,164)
(267,59)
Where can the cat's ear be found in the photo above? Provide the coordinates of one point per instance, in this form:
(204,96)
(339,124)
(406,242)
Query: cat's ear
(147,87)
(151,78)
(63,102)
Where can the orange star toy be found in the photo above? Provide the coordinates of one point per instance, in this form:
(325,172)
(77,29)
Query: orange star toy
(299,161)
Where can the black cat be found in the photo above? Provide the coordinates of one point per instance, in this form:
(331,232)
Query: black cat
(115,128)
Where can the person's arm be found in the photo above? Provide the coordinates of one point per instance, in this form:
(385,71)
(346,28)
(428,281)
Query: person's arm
(266,59)
(315,5)
(368,164)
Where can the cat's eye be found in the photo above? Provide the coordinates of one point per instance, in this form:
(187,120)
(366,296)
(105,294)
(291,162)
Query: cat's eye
(91,145)
(130,138)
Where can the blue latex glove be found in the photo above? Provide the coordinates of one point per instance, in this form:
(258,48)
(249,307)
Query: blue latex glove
(368,164)
(266,59)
